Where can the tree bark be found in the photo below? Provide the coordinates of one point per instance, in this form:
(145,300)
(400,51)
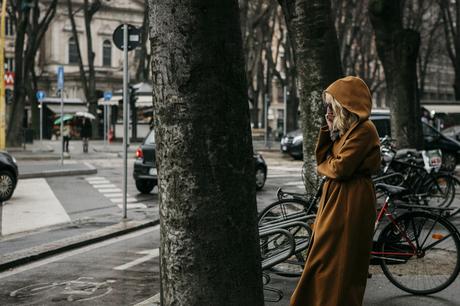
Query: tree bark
(209,240)
(398,51)
(317,58)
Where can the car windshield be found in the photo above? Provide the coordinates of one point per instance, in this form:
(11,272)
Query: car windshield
(150,139)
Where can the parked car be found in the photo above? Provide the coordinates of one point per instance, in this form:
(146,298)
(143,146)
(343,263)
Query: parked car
(291,144)
(433,139)
(452,132)
(8,176)
(145,172)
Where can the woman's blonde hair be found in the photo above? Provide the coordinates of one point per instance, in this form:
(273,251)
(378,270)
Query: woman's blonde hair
(343,119)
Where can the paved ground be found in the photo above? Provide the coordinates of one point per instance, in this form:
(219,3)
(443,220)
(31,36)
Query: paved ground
(71,211)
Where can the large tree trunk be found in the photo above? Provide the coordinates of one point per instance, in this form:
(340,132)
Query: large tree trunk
(317,58)
(398,50)
(209,241)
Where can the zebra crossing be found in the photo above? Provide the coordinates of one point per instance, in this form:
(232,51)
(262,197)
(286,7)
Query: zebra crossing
(113,193)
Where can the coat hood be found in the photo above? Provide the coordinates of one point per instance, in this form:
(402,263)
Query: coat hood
(353,94)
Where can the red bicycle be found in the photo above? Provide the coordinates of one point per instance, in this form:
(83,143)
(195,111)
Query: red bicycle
(418,250)
(417,247)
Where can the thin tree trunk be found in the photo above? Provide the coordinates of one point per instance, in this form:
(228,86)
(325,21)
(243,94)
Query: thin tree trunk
(209,241)
(317,59)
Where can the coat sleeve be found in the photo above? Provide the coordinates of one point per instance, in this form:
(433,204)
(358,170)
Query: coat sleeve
(324,145)
(349,158)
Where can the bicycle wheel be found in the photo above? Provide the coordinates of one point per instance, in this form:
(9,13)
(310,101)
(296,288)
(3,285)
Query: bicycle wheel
(441,190)
(429,262)
(285,209)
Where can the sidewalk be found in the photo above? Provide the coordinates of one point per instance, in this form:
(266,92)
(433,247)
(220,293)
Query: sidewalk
(26,242)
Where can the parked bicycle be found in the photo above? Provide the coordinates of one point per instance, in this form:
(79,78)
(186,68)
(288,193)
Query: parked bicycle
(416,246)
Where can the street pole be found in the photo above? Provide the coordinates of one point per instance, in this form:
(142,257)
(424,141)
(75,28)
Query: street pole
(266,119)
(285,110)
(2,79)
(105,123)
(61,93)
(41,122)
(125,119)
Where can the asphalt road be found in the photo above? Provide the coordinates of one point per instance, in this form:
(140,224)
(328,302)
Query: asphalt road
(119,271)
(124,271)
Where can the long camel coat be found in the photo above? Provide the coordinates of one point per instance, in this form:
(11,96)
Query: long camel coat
(338,258)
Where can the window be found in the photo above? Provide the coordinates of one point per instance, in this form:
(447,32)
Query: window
(9,27)
(73,51)
(107,53)
(9,64)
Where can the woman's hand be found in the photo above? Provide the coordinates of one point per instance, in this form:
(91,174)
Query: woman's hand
(329,119)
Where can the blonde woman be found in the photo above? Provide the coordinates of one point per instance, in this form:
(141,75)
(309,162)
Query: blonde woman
(347,153)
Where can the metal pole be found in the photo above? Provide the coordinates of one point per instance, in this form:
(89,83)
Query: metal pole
(105,124)
(266,120)
(2,78)
(61,93)
(41,122)
(285,110)
(125,119)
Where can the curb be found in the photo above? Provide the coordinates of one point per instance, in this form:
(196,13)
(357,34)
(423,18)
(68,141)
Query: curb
(17,258)
(52,173)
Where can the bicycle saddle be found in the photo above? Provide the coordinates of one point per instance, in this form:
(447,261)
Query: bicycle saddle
(390,189)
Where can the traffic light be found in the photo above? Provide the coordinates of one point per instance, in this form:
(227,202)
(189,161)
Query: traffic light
(133,95)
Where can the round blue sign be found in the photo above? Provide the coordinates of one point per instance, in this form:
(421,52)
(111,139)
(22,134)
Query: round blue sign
(107,95)
(40,95)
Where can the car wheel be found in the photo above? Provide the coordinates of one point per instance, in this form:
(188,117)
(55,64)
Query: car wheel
(7,185)
(145,186)
(449,162)
(261,176)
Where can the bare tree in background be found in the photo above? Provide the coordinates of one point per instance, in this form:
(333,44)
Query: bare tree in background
(398,48)
(451,21)
(143,69)
(87,77)
(210,252)
(31,22)
(269,58)
(317,58)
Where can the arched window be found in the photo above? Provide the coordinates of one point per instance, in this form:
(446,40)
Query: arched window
(73,51)
(107,53)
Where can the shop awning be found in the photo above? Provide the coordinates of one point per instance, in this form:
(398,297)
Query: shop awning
(443,108)
(68,108)
(142,101)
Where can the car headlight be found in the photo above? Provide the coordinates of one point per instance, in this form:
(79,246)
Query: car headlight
(297,139)
(14,160)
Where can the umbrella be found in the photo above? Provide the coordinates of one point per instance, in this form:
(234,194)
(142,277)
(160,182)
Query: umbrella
(85,115)
(66,117)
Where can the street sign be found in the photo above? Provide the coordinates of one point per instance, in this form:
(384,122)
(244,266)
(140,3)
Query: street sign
(40,95)
(60,80)
(107,95)
(9,78)
(134,37)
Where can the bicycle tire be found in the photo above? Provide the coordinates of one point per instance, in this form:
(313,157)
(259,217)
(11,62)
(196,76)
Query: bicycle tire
(441,189)
(438,253)
(285,209)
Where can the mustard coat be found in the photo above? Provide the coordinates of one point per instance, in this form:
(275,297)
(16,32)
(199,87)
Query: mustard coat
(336,269)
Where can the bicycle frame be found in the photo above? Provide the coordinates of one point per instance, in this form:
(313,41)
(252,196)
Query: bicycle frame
(385,212)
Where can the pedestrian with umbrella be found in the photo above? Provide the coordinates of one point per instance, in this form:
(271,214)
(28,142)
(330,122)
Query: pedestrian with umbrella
(86,133)
(66,134)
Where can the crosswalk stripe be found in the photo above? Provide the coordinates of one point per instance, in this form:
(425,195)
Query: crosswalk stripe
(104,186)
(114,195)
(107,190)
